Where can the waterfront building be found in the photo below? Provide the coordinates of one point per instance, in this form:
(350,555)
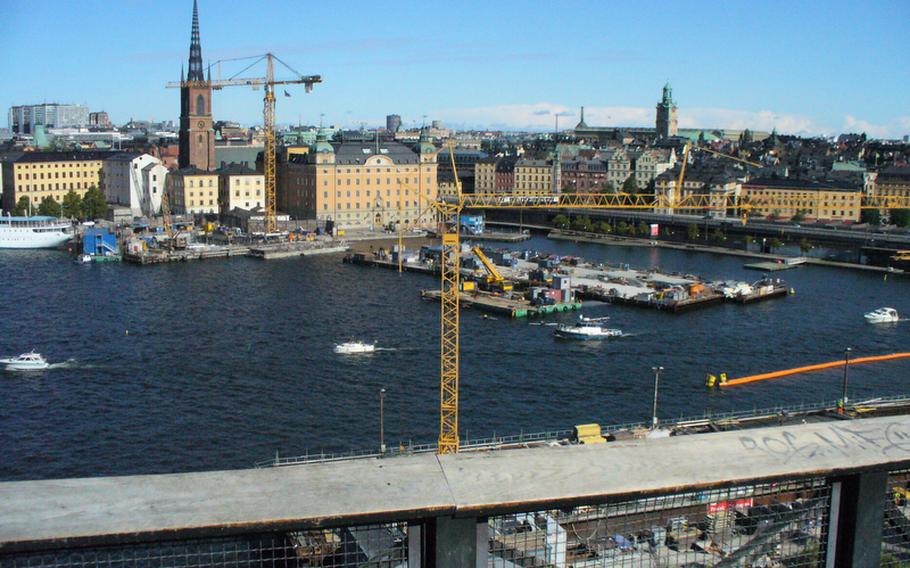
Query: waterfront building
(362,182)
(583,175)
(667,121)
(197,134)
(893,181)
(192,191)
(619,167)
(464,165)
(533,176)
(136,182)
(821,200)
(723,186)
(240,187)
(392,123)
(37,175)
(23,119)
(648,164)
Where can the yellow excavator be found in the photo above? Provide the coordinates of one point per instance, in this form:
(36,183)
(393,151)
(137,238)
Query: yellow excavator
(495,279)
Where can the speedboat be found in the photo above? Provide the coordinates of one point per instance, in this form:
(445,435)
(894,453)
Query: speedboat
(26,362)
(882,315)
(352,347)
(585,331)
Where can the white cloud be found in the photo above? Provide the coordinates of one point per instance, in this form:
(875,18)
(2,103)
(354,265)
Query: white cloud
(736,119)
(896,130)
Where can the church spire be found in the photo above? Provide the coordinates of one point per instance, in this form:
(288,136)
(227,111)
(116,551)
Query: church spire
(195,71)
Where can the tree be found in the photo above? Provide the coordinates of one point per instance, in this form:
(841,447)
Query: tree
(719,236)
(72,205)
(604,227)
(609,188)
(49,206)
(871,216)
(582,223)
(748,239)
(94,205)
(644,229)
(561,222)
(21,208)
(775,243)
(805,245)
(799,217)
(900,217)
(692,232)
(630,185)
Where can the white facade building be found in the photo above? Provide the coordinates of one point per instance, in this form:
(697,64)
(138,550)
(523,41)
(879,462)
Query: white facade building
(136,182)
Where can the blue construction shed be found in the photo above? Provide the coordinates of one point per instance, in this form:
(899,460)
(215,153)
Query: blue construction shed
(472,224)
(99,242)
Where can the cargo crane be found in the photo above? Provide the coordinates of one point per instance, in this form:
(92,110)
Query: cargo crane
(450,208)
(268,116)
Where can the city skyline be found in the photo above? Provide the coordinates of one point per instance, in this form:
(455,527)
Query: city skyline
(813,74)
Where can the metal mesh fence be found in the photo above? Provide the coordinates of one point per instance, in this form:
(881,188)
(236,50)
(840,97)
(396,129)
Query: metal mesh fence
(374,546)
(896,529)
(781,524)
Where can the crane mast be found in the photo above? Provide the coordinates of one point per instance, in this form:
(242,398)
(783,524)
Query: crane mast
(268,120)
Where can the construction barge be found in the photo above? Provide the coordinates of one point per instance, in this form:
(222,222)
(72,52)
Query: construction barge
(511,307)
(545,279)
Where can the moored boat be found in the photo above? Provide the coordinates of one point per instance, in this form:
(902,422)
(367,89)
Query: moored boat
(34,232)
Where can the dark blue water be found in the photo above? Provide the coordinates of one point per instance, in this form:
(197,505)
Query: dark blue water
(228,361)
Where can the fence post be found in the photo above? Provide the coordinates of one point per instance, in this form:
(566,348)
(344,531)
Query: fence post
(857,517)
(456,543)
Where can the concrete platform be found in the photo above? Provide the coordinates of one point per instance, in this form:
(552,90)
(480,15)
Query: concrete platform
(103,510)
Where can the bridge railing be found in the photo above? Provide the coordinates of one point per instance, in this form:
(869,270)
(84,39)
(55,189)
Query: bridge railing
(816,494)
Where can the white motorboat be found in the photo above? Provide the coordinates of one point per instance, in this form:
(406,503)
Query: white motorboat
(882,315)
(26,362)
(585,331)
(83,259)
(352,347)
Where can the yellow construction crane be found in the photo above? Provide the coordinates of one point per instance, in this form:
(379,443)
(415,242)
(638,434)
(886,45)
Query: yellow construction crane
(449,209)
(494,277)
(268,117)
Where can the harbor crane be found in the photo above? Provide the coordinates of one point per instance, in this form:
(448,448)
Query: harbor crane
(268,83)
(449,210)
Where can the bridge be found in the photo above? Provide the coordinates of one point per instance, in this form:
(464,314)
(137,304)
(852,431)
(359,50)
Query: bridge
(811,494)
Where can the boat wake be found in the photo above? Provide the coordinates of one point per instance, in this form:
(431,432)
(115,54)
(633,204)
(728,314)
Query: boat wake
(68,364)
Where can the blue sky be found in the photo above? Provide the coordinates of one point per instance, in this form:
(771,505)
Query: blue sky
(806,67)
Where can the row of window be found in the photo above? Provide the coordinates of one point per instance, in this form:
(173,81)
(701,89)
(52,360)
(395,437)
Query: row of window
(189,183)
(369,170)
(57,175)
(388,205)
(55,186)
(237,193)
(55,165)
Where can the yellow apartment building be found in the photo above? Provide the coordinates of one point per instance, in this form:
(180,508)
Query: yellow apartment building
(362,183)
(192,191)
(37,175)
(785,197)
(240,187)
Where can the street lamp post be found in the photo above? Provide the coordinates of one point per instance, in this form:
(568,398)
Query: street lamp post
(846,364)
(657,371)
(382,421)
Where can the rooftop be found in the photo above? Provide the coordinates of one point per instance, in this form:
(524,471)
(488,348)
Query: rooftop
(801,184)
(358,152)
(235,169)
(71,156)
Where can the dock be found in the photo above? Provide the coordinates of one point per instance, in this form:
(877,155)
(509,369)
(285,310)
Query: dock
(162,256)
(512,307)
(707,298)
(290,251)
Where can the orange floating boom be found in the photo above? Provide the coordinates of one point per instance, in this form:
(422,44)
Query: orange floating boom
(811,368)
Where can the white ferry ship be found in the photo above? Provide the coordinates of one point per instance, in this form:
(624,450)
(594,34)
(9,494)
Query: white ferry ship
(33,232)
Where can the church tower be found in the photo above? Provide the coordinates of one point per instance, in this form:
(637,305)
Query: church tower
(666,114)
(197,135)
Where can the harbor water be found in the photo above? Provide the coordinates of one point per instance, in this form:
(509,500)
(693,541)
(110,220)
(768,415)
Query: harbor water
(221,363)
